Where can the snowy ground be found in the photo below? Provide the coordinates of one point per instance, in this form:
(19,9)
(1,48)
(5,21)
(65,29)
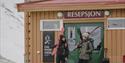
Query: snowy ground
(11,31)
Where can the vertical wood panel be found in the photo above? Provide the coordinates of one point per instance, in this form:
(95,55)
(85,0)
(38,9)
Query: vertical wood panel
(38,37)
(110,14)
(42,17)
(42,47)
(118,13)
(26,37)
(123,43)
(112,58)
(105,33)
(118,42)
(50,15)
(109,45)
(105,38)
(108,35)
(123,36)
(114,13)
(114,47)
(30,40)
(117,39)
(123,12)
(113,41)
(46,15)
(55,15)
(34,37)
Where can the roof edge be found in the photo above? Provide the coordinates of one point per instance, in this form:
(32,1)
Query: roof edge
(67,7)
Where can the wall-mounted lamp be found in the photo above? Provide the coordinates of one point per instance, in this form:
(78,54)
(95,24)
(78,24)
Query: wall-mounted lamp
(107,13)
(60,14)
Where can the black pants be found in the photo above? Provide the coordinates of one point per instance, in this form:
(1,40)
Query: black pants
(60,59)
(83,61)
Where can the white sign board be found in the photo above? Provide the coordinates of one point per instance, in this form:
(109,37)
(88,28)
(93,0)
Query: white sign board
(51,25)
(116,23)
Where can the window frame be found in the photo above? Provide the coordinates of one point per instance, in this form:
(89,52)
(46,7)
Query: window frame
(50,20)
(109,28)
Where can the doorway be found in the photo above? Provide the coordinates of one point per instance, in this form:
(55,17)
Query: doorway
(73,38)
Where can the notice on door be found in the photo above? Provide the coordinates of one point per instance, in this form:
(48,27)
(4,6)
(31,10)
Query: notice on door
(48,42)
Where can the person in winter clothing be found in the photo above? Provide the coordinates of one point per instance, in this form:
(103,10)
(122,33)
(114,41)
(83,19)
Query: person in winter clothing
(62,50)
(86,48)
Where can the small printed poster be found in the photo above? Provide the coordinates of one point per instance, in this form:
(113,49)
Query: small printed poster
(48,42)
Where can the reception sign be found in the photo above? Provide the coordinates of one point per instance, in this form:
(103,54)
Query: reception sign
(84,14)
(48,42)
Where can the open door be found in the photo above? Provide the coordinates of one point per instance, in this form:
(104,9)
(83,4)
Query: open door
(73,37)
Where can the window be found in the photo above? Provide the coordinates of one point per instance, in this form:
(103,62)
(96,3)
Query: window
(116,23)
(51,25)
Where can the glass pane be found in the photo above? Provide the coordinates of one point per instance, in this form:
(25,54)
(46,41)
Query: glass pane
(71,38)
(51,25)
(116,23)
(96,35)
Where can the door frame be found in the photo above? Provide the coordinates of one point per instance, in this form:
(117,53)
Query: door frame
(77,21)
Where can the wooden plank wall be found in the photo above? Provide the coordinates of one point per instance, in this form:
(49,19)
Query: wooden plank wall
(33,36)
(115,39)
(26,25)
